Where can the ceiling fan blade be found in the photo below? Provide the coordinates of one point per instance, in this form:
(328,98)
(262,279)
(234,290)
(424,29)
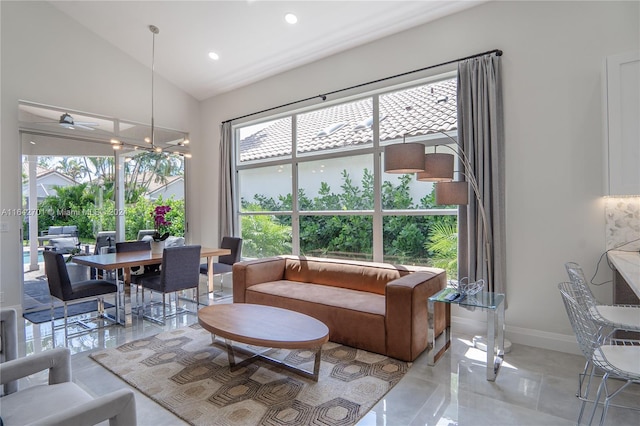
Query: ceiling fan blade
(80,126)
(85,123)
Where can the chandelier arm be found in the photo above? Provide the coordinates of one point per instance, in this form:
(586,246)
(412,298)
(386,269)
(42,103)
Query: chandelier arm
(476,190)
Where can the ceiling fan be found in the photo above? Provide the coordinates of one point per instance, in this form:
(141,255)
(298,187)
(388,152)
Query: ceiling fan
(67,122)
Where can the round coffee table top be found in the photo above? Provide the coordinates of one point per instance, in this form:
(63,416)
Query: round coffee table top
(262,325)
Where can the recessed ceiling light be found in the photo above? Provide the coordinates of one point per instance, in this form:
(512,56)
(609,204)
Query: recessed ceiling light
(291,18)
(214,56)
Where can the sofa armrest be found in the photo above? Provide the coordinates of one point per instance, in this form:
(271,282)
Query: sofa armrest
(119,407)
(57,361)
(406,312)
(251,272)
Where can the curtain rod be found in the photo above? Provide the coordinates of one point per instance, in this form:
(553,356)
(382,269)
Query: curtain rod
(498,52)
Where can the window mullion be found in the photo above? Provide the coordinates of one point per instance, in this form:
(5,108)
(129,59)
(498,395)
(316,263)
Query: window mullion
(295,216)
(378,250)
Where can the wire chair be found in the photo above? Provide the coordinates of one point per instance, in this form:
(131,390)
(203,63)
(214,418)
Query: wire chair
(625,317)
(617,358)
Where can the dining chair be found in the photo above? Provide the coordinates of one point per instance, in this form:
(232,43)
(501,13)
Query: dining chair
(137,272)
(103,239)
(179,271)
(617,358)
(224,266)
(61,288)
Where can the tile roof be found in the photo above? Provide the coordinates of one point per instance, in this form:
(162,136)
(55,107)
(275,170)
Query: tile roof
(410,111)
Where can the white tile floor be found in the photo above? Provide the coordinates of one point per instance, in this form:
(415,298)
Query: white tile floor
(534,387)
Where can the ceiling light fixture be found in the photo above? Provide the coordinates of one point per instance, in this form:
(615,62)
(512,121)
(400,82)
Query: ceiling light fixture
(154,30)
(291,18)
(214,56)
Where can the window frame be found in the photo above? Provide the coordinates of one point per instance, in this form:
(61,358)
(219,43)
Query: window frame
(375,149)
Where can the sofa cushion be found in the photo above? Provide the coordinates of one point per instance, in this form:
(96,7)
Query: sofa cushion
(363,276)
(354,318)
(325,295)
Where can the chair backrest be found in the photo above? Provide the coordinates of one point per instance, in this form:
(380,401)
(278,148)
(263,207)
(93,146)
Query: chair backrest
(57,275)
(128,246)
(576,275)
(235,245)
(587,332)
(180,268)
(144,232)
(104,239)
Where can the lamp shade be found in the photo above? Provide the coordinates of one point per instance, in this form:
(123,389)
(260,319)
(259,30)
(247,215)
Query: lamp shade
(404,158)
(437,168)
(450,193)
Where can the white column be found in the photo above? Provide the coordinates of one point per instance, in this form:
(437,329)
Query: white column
(33,206)
(119,198)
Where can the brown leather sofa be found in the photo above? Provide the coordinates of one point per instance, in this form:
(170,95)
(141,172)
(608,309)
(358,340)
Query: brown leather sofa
(377,307)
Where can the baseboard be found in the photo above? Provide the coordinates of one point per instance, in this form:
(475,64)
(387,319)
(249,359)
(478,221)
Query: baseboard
(523,336)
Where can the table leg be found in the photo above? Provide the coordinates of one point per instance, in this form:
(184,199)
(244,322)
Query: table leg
(210,273)
(495,343)
(203,290)
(252,356)
(124,308)
(436,350)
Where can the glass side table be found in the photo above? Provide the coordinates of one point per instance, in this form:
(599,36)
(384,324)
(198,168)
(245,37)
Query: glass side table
(493,303)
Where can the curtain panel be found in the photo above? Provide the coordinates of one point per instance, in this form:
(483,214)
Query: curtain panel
(481,135)
(226,210)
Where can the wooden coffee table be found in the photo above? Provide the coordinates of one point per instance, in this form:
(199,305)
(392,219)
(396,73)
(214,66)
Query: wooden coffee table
(265,326)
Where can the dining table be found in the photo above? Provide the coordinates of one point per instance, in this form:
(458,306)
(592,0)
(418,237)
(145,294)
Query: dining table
(127,260)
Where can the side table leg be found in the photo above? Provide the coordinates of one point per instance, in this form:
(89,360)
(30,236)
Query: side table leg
(495,343)
(437,350)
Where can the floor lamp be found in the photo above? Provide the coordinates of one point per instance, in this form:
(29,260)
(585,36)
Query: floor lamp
(438,167)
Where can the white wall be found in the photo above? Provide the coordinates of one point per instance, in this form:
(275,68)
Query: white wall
(51,59)
(553,53)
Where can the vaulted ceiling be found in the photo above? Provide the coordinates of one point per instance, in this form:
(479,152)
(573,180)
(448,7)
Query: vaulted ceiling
(251,37)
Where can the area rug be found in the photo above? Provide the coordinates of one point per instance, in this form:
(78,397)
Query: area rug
(186,373)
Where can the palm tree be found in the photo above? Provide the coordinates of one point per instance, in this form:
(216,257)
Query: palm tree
(443,244)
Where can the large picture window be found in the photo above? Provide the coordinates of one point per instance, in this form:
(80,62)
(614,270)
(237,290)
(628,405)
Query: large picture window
(311,183)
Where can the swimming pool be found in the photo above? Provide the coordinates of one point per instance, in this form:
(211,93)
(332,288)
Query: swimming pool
(26,257)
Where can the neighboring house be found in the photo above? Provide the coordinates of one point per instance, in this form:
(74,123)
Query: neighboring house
(174,187)
(434,107)
(46,181)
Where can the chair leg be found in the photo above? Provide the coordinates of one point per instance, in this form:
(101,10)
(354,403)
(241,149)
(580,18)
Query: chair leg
(53,325)
(66,326)
(608,398)
(164,307)
(603,385)
(100,302)
(585,396)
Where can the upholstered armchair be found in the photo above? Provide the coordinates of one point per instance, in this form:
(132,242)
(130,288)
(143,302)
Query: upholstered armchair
(61,402)
(9,342)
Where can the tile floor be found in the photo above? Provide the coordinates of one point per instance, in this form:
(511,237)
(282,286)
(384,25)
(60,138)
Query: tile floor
(534,387)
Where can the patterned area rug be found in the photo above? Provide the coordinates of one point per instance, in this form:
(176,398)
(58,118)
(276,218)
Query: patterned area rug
(185,373)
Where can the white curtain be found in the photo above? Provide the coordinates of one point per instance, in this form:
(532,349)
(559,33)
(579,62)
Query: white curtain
(481,134)
(226,212)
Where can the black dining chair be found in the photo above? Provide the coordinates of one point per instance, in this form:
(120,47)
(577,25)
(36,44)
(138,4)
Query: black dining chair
(61,288)
(103,239)
(138,272)
(179,271)
(224,265)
